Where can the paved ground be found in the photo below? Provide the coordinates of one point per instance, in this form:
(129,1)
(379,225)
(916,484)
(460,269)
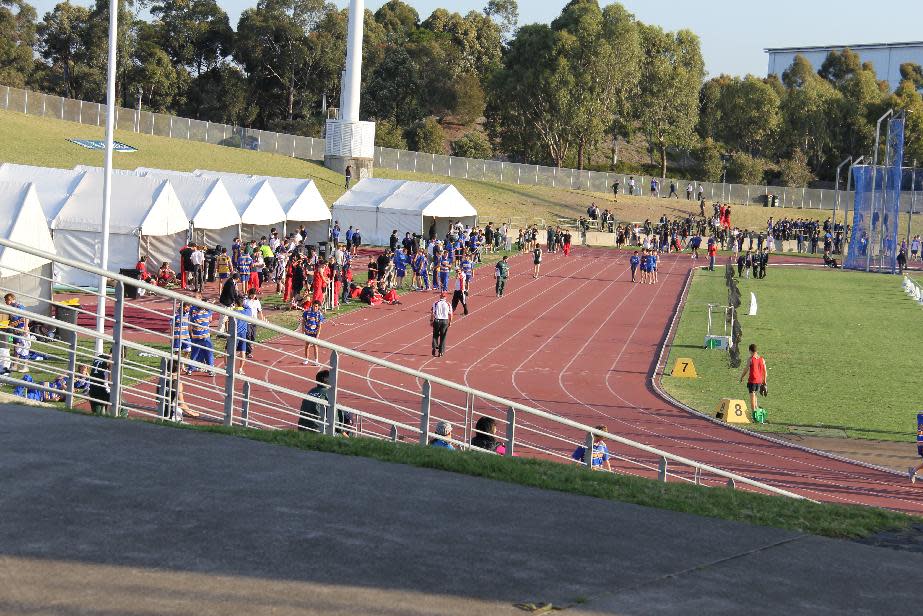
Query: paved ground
(107,517)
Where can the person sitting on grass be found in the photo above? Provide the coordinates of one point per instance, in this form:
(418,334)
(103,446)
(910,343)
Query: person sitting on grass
(600,452)
(312,412)
(829,261)
(166,277)
(443,431)
(485,436)
(141,268)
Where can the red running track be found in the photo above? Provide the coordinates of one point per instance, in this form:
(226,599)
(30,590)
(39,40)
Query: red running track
(580,342)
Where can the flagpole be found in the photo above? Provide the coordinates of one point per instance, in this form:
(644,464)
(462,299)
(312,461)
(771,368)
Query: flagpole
(107,169)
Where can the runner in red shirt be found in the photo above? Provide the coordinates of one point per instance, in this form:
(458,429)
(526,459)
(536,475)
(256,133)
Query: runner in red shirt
(712,253)
(755,371)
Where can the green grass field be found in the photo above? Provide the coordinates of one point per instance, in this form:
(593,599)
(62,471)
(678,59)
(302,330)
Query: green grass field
(42,141)
(842,350)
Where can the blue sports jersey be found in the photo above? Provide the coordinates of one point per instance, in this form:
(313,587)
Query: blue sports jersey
(466,266)
(635,260)
(600,454)
(654,261)
(180,328)
(17,322)
(445,264)
(419,263)
(244,263)
(311,320)
(199,320)
(243,326)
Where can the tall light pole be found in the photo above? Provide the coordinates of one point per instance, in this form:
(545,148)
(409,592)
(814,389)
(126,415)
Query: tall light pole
(107,170)
(350,142)
(836,200)
(868,251)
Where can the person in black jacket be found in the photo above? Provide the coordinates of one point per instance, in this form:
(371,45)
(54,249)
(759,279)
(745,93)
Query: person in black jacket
(312,414)
(393,241)
(228,298)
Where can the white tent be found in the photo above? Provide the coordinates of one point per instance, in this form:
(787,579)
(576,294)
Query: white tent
(53,186)
(22,220)
(303,205)
(147,219)
(377,207)
(256,202)
(207,204)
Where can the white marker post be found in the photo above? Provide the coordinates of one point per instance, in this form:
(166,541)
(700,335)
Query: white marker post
(107,170)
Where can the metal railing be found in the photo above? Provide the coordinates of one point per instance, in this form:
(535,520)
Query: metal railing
(150,375)
(310,148)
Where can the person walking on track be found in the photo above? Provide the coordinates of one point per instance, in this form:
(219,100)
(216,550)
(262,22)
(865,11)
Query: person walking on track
(919,467)
(502,271)
(460,294)
(536,260)
(311,321)
(440,318)
(755,371)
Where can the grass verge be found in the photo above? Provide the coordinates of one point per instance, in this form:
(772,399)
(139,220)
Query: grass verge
(838,521)
(834,360)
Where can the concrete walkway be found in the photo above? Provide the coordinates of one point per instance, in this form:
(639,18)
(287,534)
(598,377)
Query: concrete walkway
(105,517)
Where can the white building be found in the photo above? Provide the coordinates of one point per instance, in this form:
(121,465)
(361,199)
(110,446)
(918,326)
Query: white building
(885,57)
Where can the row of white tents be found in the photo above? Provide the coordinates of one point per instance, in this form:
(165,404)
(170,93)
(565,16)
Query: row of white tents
(155,212)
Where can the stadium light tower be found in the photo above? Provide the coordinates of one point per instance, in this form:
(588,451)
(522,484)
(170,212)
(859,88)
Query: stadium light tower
(349,141)
(107,171)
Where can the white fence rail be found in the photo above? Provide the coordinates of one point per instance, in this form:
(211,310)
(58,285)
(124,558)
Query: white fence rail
(309,148)
(366,396)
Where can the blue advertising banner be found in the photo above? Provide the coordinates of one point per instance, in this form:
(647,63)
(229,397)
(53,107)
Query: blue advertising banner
(94,144)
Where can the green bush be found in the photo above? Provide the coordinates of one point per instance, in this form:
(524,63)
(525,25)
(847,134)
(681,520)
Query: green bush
(472,145)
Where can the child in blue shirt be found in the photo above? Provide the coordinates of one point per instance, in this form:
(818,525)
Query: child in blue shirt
(600,452)
(634,261)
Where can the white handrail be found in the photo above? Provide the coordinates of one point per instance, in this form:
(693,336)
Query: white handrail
(343,351)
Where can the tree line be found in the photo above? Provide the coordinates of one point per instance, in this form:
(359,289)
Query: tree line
(565,93)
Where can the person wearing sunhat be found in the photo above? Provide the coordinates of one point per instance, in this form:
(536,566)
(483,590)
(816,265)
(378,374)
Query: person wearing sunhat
(440,318)
(443,432)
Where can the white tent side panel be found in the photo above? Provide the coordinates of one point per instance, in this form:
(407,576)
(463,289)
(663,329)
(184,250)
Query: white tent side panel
(160,248)
(365,220)
(315,231)
(86,247)
(217,237)
(32,289)
(402,220)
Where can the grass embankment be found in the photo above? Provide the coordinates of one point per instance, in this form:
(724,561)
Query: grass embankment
(842,350)
(727,504)
(43,141)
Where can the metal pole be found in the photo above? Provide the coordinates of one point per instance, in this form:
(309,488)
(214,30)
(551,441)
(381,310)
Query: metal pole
(107,171)
(229,372)
(662,470)
(510,431)
(588,451)
(424,413)
(115,391)
(868,250)
(72,372)
(913,194)
(162,381)
(245,406)
(330,427)
(836,198)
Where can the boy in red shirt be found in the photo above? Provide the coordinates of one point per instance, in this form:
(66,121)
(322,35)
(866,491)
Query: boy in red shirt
(755,371)
(712,252)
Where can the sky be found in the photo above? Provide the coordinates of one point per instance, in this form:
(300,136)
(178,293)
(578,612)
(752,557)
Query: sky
(733,32)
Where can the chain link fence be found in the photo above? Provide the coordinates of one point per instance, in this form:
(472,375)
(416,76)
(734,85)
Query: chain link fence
(309,148)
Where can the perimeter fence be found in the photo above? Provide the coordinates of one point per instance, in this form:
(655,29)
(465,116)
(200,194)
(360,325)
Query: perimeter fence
(310,148)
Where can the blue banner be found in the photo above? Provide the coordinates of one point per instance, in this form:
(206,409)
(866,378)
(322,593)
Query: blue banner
(95,144)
